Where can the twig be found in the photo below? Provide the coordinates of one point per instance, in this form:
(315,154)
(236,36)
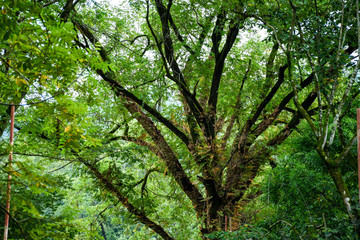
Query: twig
(17,223)
(49,3)
(44,156)
(57,169)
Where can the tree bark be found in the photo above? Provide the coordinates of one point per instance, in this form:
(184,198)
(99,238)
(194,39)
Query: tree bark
(346,198)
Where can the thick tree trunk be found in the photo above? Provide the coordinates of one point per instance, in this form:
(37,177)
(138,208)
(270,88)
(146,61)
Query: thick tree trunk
(221,220)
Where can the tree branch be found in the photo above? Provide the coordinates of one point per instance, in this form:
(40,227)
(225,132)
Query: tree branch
(346,149)
(219,67)
(49,3)
(216,35)
(178,77)
(139,142)
(242,139)
(168,156)
(179,37)
(16,222)
(236,108)
(295,120)
(69,6)
(122,92)
(43,156)
(139,214)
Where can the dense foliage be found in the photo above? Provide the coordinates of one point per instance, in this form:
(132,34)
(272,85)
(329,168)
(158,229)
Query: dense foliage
(180,119)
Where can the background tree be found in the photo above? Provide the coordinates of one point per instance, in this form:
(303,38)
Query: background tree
(334,84)
(302,192)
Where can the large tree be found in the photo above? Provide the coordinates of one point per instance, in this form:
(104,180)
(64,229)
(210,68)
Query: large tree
(189,83)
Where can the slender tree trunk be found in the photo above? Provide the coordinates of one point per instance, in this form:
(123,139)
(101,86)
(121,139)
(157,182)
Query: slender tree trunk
(6,225)
(358,146)
(345,196)
(103,233)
